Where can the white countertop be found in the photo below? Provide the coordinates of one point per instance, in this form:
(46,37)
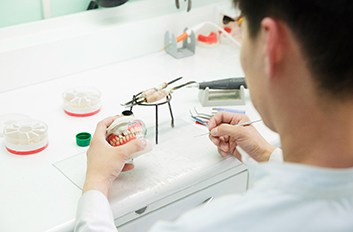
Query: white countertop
(36,196)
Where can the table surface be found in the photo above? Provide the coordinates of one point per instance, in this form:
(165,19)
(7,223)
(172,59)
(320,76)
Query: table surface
(40,192)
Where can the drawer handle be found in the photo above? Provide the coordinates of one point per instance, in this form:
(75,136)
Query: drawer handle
(141,211)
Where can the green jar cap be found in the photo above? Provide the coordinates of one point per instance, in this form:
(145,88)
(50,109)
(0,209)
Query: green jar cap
(83,139)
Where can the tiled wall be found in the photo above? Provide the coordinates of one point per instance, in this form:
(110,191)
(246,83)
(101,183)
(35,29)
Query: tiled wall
(14,12)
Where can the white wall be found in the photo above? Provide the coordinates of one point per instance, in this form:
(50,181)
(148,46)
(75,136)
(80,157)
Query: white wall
(56,48)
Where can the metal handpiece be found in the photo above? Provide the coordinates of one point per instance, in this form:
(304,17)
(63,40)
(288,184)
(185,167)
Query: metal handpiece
(229,83)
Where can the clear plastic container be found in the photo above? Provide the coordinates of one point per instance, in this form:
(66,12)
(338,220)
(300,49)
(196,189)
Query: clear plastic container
(82,101)
(6,119)
(25,137)
(125,129)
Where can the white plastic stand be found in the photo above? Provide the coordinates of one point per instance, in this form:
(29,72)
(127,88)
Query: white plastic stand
(187,49)
(222,97)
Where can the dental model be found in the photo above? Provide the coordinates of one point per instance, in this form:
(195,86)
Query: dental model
(125,129)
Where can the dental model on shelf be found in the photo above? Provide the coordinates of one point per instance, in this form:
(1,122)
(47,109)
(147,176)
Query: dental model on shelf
(82,101)
(25,137)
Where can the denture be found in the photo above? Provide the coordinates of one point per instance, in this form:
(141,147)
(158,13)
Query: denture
(124,130)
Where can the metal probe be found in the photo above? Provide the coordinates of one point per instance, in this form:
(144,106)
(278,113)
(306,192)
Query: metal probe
(239,124)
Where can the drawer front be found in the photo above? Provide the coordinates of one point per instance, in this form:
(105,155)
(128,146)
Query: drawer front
(231,185)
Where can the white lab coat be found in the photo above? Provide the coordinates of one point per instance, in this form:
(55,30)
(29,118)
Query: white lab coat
(284,197)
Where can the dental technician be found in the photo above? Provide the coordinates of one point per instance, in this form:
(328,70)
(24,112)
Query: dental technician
(298,60)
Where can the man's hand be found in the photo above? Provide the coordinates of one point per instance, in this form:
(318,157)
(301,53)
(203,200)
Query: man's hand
(227,137)
(105,162)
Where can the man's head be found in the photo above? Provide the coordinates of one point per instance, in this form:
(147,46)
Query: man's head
(324,30)
(297,57)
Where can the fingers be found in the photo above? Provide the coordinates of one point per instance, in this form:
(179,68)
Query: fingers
(102,127)
(134,146)
(226,136)
(217,119)
(228,130)
(222,153)
(225,149)
(227,118)
(223,145)
(237,155)
(233,147)
(128,167)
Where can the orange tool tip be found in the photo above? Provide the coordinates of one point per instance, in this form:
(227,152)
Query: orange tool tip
(240,20)
(182,37)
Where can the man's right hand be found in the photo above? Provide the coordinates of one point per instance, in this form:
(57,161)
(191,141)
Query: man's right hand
(226,136)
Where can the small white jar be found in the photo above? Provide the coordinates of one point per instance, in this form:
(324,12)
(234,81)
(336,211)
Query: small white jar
(82,101)
(25,137)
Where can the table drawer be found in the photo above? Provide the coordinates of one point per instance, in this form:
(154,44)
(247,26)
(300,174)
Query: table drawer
(145,217)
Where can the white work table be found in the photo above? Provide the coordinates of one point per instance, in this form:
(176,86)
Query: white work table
(40,192)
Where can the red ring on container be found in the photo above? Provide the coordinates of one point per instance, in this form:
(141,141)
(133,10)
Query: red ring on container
(32,152)
(81,115)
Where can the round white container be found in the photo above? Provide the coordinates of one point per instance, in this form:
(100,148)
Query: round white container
(82,102)
(25,137)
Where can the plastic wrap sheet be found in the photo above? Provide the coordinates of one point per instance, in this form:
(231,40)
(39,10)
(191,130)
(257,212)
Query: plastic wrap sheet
(180,160)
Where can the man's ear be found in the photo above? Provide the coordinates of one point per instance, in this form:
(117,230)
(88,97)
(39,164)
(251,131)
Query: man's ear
(273,46)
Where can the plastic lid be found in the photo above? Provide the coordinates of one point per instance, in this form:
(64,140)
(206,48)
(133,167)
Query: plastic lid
(6,119)
(83,139)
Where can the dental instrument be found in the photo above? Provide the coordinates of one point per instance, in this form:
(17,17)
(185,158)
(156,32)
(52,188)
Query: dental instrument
(239,124)
(227,83)
(154,94)
(220,109)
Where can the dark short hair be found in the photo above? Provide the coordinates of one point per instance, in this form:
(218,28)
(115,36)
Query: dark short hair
(324,30)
